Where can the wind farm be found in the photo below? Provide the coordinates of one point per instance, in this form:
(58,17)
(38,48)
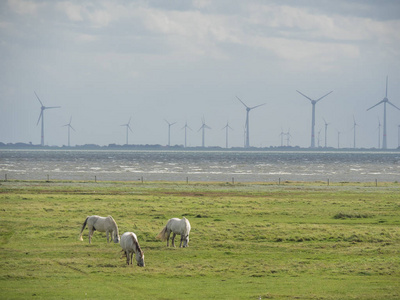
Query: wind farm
(284,141)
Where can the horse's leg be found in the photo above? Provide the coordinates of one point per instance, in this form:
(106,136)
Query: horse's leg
(107,236)
(127,257)
(131,257)
(90,234)
(168,238)
(180,245)
(173,239)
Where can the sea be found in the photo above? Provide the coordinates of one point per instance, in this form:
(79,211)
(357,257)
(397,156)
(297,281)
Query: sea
(208,166)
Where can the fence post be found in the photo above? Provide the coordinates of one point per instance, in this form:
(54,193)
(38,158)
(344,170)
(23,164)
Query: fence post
(141,179)
(328,181)
(95,178)
(279,181)
(233,180)
(376,182)
(5,177)
(187,180)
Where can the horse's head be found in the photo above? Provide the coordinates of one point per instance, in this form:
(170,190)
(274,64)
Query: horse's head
(116,238)
(140,258)
(186,241)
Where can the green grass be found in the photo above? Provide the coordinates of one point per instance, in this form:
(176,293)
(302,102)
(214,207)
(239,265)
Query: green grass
(248,241)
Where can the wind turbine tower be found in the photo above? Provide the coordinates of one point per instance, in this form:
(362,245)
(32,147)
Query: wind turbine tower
(379,133)
(281,135)
(247,129)
(227,127)
(384,101)
(186,127)
(169,131)
(202,128)
(69,127)
(128,127)
(41,116)
(326,132)
(313,102)
(354,128)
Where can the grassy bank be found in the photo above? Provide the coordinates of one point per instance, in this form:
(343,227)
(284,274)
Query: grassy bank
(294,240)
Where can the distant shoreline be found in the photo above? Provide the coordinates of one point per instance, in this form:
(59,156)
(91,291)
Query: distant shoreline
(24,146)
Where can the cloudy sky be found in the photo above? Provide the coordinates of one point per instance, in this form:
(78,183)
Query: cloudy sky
(105,62)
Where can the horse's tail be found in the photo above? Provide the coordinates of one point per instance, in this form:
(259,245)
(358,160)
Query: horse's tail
(83,227)
(163,234)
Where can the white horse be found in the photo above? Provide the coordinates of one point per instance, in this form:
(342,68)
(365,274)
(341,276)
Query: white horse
(102,224)
(176,226)
(130,245)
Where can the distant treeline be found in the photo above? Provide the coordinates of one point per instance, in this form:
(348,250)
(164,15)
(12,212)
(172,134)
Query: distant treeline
(177,147)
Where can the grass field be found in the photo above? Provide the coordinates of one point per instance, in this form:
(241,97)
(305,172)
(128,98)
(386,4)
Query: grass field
(248,241)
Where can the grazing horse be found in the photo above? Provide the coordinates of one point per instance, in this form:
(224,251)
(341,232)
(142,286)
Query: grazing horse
(102,224)
(176,226)
(130,245)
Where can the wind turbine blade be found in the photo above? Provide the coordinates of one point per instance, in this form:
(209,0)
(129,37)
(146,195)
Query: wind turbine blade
(38,99)
(40,116)
(386,85)
(48,107)
(70,120)
(72,128)
(375,105)
(304,95)
(173,123)
(242,102)
(257,106)
(130,128)
(206,126)
(393,105)
(324,96)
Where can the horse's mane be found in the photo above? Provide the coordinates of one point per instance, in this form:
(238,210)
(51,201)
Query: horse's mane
(135,241)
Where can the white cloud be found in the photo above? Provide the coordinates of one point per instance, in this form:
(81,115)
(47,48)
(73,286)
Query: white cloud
(23,7)
(73,11)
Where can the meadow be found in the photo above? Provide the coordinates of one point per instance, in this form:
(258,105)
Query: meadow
(248,241)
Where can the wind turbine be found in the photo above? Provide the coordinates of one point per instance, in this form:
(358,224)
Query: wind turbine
(326,131)
(379,133)
(203,127)
(281,135)
(128,127)
(288,136)
(169,131)
(247,129)
(319,135)
(41,116)
(69,127)
(338,138)
(398,142)
(384,101)
(313,102)
(227,127)
(186,127)
(354,128)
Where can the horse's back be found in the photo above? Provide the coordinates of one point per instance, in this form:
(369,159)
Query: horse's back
(127,240)
(179,226)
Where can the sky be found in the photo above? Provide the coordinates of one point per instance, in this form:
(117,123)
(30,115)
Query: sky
(105,62)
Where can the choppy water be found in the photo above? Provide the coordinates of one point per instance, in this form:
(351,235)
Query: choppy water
(199,165)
